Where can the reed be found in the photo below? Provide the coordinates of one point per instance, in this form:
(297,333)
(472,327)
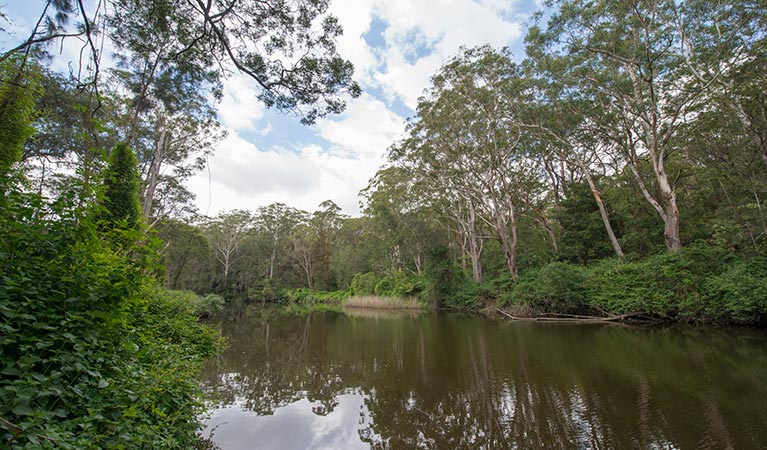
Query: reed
(378,302)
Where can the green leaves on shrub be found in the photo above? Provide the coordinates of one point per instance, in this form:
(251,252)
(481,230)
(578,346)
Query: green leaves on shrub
(93,353)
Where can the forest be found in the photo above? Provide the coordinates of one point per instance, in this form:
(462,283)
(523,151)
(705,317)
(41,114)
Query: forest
(620,166)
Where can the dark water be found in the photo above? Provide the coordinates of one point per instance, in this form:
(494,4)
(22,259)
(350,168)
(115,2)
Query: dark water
(438,381)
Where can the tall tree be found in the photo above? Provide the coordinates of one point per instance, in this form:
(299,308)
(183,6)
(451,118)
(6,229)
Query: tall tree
(468,141)
(18,93)
(633,59)
(121,189)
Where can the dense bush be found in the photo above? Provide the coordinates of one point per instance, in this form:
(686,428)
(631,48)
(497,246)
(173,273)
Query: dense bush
(200,305)
(697,283)
(739,294)
(399,284)
(93,354)
(556,287)
(669,285)
(304,298)
(444,278)
(364,283)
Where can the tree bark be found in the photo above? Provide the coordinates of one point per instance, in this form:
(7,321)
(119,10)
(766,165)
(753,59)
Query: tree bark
(474,247)
(508,242)
(603,212)
(153,175)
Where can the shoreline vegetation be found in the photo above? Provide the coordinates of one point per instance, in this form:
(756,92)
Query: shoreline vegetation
(697,284)
(379,302)
(622,176)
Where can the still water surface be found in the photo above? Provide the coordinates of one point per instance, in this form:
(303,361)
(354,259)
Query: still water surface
(375,380)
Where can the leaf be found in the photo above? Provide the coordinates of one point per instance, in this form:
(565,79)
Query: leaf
(22,409)
(103,384)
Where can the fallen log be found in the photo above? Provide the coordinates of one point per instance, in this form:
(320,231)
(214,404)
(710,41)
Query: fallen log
(574,318)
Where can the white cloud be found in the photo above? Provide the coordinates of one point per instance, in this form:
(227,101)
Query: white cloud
(364,130)
(239,109)
(245,177)
(442,27)
(418,38)
(355,16)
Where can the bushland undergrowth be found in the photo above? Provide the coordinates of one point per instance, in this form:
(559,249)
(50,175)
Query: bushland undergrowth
(93,353)
(699,283)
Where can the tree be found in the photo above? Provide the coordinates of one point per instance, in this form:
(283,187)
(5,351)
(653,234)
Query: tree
(184,244)
(18,93)
(468,143)
(121,189)
(227,232)
(633,59)
(286,46)
(274,224)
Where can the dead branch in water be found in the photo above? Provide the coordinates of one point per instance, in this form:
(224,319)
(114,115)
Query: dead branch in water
(574,318)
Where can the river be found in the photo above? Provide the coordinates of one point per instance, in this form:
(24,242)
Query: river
(384,380)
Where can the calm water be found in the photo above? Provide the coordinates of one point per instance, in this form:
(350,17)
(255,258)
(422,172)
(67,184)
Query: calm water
(438,381)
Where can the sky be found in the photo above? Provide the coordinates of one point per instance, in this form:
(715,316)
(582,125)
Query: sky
(395,46)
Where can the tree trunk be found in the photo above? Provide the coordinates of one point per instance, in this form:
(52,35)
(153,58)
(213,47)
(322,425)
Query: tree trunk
(671,210)
(272,258)
(603,212)
(508,243)
(154,171)
(475,250)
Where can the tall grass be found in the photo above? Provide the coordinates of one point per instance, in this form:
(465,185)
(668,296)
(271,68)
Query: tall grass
(379,302)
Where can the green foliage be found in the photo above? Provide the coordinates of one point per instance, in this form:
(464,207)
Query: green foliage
(739,293)
(307,298)
(556,287)
(398,284)
(444,277)
(469,296)
(265,291)
(94,355)
(18,93)
(364,283)
(199,305)
(697,283)
(121,204)
(584,238)
(667,285)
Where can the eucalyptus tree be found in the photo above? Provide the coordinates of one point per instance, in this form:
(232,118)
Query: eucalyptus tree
(726,43)
(468,141)
(301,243)
(185,245)
(286,46)
(274,224)
(226,233)
(325,223)
(401,217)
(563,130)
(635,61)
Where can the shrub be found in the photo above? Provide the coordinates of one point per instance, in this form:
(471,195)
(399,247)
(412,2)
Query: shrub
(468,296)
(364,283)
(740,293)
(306,298)
(556,287)
(94,355)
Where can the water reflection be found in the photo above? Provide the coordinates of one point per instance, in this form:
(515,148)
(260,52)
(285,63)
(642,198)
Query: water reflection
(457,382)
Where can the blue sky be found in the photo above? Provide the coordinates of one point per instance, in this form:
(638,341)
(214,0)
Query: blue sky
(395,45)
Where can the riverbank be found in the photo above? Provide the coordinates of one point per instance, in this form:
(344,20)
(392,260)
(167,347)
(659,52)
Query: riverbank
(94,352)
(699,284)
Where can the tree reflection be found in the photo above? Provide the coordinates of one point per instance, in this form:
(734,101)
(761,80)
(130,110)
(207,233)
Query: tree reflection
(463,382)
